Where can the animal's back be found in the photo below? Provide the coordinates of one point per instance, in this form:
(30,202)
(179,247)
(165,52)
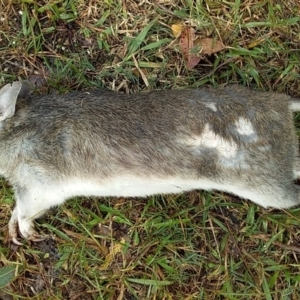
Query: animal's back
(168,132)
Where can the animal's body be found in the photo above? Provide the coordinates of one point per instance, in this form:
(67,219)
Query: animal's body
(101,143)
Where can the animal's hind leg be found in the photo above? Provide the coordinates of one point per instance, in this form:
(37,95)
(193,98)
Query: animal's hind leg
(31,204)
(285,197)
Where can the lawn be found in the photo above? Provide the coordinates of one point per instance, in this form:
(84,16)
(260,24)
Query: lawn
(197,245)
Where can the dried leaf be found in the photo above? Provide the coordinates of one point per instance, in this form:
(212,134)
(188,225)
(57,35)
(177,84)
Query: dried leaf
(114,250)
(193,61)
(193,49)
(208,46)
(177,29)
(186,43)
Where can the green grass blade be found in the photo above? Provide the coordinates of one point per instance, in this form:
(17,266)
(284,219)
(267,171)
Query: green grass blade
(7,274)
(136,42)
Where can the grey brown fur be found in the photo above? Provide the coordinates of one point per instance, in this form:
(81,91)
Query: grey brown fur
(233,139)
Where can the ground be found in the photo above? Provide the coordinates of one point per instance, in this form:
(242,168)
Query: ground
(198,245)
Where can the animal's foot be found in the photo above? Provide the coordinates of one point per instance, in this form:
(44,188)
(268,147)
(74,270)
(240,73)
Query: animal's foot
(31,235)
(26,230)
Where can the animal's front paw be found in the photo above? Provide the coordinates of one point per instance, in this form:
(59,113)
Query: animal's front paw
(26,230)
(13,230)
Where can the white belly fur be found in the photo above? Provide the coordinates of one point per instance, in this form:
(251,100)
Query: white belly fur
(143,187)
(128,187)
(57,193)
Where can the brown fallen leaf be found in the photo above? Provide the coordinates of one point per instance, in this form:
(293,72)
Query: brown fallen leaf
(193,48)
(186,43)
(208,46)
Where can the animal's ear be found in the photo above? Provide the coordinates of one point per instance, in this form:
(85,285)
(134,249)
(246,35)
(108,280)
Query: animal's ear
(8,98)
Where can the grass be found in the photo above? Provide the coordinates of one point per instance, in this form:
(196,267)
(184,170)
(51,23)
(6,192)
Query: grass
(194,246)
